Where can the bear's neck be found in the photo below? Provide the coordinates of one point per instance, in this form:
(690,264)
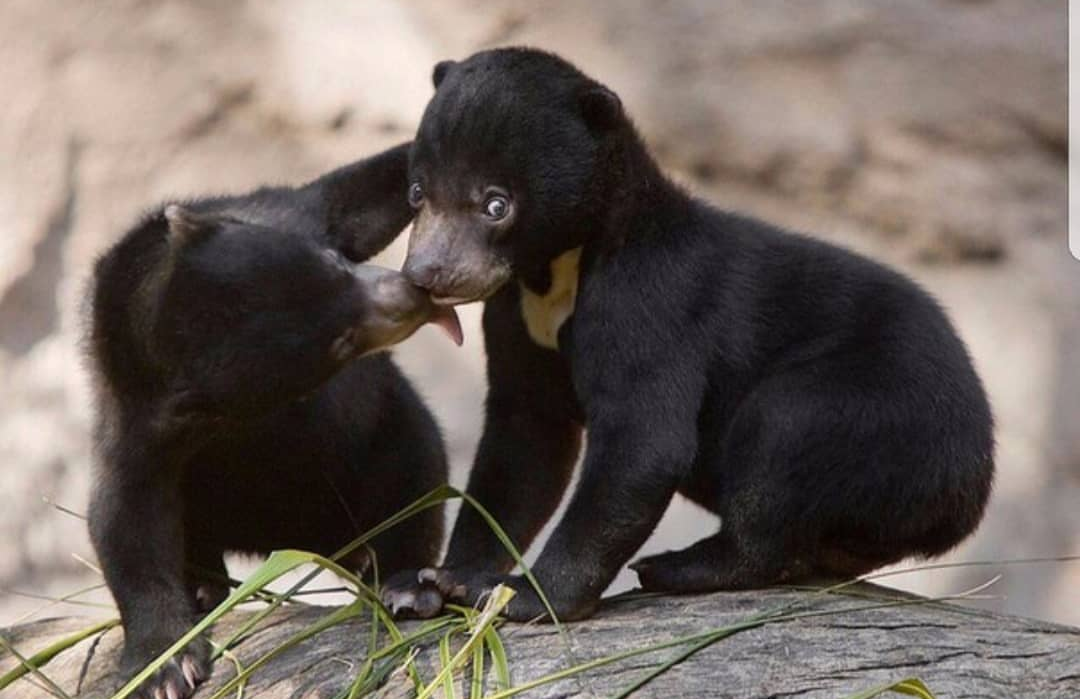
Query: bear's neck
(638,191)
(634,192)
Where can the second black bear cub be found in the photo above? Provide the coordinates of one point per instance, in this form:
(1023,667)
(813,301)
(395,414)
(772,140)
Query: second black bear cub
(821,404)
(231,415)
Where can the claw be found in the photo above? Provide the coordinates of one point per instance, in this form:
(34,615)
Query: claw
(442,580)
(400,601)
(191,672)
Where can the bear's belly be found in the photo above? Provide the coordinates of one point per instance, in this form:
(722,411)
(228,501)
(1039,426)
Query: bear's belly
(545,314)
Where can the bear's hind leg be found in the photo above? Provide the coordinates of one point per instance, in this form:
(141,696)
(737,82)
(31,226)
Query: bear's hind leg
(735,558)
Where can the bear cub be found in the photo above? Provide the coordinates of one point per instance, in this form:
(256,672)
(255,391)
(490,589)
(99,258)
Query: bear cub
(820,403)
(240,406)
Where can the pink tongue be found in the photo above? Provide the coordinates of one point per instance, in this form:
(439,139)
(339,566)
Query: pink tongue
(447,319)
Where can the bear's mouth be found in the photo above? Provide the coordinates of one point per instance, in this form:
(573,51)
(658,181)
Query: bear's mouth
(446,318)
(370,338)
(449,301)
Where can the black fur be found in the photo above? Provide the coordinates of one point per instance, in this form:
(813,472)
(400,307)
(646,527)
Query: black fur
(820,403)
(229,414)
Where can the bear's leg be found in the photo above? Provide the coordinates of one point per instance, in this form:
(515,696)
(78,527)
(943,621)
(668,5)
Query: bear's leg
(136,524)
(742,555)
(411,545)
(719,562)
(834,469)
(753,554)
(405,458)
(812,469)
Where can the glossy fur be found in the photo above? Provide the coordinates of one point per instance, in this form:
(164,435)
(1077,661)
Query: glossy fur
(231,414)
(820,403)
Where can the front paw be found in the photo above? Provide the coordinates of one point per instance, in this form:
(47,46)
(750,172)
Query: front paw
(472,588)
(177,678)
(408,596)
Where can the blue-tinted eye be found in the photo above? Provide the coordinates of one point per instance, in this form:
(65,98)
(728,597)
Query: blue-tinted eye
(416,195)
(496,208)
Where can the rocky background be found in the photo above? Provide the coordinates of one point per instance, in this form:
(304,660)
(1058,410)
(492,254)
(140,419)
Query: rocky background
(929,133)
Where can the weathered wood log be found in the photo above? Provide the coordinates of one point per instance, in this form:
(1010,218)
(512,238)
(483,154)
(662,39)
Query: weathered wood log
(844,647)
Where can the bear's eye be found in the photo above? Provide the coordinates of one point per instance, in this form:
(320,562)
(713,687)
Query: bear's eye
(497,207)
(416,195)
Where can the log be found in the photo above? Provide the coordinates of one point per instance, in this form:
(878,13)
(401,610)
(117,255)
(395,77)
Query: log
(845,643)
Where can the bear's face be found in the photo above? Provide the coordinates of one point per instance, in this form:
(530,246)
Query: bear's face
(503,171)
(255,313)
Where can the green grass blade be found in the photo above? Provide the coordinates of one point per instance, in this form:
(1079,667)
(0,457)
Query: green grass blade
(912,686)
(41,658)
(435,497)
(359,682)
(504,539)
(231,657)
(498,659)
(440,495)
(499,598)
(372,673)
(339,615)
(46,682)
(375,676)
(445,661)
(476,689)
(373,637)
(279,563)
(469,614)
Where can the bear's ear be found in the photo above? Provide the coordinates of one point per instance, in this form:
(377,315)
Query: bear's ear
(186,226)
(441,69)
(601,108)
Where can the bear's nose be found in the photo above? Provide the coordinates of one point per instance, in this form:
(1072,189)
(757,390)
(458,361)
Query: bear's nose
(422,273)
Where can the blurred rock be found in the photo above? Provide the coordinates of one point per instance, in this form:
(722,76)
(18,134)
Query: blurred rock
(930,133)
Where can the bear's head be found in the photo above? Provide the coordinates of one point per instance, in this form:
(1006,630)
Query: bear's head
(507,170)
(254,315)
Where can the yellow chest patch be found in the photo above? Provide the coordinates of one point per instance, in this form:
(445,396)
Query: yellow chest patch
(544,315)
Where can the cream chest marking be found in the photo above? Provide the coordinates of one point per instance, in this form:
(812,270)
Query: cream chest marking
(544,315)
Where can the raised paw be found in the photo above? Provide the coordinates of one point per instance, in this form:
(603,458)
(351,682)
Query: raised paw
(178,677)
(406,595)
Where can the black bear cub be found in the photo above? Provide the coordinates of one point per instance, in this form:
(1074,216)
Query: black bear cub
(821,404)
(233,413)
